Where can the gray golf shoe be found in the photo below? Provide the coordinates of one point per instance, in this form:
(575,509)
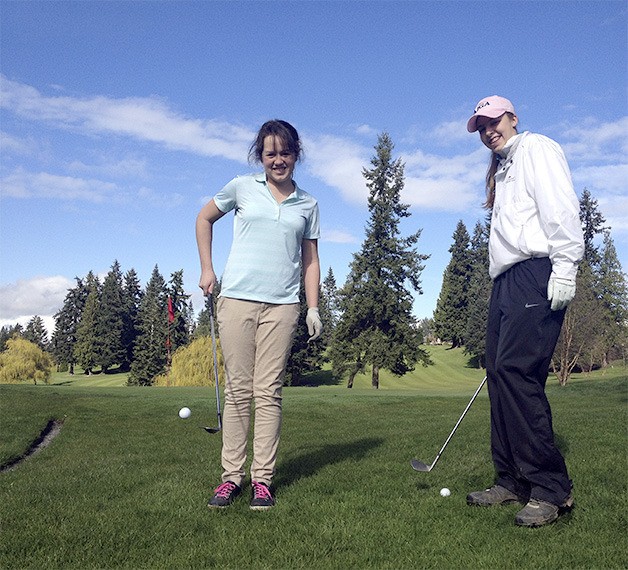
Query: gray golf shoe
(539,513)
(496,495)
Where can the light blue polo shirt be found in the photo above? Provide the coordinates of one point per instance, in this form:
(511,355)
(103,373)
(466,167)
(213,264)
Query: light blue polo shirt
(264,263)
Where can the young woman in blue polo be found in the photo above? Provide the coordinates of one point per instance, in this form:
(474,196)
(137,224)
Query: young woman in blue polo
(275,238)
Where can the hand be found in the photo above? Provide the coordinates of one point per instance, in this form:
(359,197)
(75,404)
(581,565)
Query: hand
(314,324)
(560,291)
(207,282)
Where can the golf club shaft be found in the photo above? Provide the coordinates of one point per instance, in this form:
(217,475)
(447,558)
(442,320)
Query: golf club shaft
(213,333)
(475,395)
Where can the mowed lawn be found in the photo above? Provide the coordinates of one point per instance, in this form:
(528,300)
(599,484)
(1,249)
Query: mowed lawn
(126,481)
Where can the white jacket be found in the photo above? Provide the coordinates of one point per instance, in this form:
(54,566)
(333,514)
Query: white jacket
(536,211)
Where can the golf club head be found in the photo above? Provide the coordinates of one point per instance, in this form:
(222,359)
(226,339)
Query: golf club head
(211,429)
(420,466)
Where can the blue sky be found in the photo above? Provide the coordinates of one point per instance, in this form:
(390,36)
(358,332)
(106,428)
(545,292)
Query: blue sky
(118,120)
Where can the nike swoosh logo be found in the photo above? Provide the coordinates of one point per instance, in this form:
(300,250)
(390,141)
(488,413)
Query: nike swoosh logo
(528,305)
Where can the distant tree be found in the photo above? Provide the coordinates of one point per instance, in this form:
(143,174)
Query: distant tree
(450,316)
(131,299)
(7,332)
(329,294)
(592,222)
(478,295)
(66,326)
(613,295)
(110,321)
(376,326)
(36,332)
(426,327)
(581,328)
(304,356)
(179,329)
(23,361)
(587,320)
(87,348)
(150,345)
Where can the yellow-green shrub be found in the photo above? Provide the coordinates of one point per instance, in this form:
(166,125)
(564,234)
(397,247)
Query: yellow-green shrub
(24,361)
(193,365)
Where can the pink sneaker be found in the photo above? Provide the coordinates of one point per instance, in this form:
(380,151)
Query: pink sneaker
(262,497)
(224,495)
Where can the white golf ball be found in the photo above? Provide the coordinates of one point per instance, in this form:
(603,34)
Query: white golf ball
(185,413)
(445,492)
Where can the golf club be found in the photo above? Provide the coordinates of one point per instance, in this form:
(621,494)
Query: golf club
(419,465)
(208,429)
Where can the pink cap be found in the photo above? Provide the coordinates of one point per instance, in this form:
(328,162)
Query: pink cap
(493,107)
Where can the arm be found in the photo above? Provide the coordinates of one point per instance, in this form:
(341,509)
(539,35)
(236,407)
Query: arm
(311,279)
(558,207)
(311,271)
(205,220)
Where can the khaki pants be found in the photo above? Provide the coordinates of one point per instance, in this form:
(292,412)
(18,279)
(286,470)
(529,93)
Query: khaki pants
(256,339)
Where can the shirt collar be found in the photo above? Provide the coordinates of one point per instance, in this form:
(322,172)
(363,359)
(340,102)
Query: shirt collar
(261,178)
(510,147)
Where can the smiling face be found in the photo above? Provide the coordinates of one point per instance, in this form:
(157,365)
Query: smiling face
(495,133)
(278,161)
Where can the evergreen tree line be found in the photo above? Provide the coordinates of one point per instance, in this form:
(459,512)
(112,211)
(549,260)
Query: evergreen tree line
(595,330)
(368,322)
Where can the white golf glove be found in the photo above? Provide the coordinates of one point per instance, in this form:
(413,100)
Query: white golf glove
(560,291)
(314,323)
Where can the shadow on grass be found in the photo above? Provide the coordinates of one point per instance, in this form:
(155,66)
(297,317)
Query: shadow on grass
(306,465)
(318,378)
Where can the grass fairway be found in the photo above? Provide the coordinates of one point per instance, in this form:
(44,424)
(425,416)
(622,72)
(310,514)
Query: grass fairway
(125,483)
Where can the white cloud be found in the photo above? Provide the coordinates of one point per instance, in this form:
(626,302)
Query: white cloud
(23,299)
(22,184)
(592,141)
(442,183)
(11,144)
(115,169)
(339,162)
(451,132)
(611,178)
(146,119)
(338,236)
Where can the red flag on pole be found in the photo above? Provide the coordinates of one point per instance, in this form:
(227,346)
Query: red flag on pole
(170,311)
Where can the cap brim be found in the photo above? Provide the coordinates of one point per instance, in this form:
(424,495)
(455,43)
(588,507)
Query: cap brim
(472,122)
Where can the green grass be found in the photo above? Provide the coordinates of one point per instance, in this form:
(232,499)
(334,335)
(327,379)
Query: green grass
(125,483)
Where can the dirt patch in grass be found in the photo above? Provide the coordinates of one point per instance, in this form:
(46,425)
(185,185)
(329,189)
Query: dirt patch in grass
(43,440)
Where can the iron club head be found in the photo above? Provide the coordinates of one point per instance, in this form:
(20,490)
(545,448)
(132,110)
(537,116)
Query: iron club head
(420,466)
(211,429)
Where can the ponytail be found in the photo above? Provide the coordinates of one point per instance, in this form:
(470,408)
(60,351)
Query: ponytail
(490,182)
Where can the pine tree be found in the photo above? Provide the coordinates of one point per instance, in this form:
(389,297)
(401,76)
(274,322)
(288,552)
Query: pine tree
(36,332)
(179,329)
(329,305)
(450,316)
(304,356)
(66,325)
(150,345)
(7,332)
(377,327)
(478,296)
(110,322)
(88,343)
(581,341)
(613,294)
(131,299)
(592,222)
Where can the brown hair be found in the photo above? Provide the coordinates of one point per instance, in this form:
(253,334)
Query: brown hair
(490,177)
(286,133)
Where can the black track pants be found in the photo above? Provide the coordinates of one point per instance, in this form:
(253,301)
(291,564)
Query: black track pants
(521,336)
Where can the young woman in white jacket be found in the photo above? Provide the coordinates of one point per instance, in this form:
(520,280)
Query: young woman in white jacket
(535,245)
